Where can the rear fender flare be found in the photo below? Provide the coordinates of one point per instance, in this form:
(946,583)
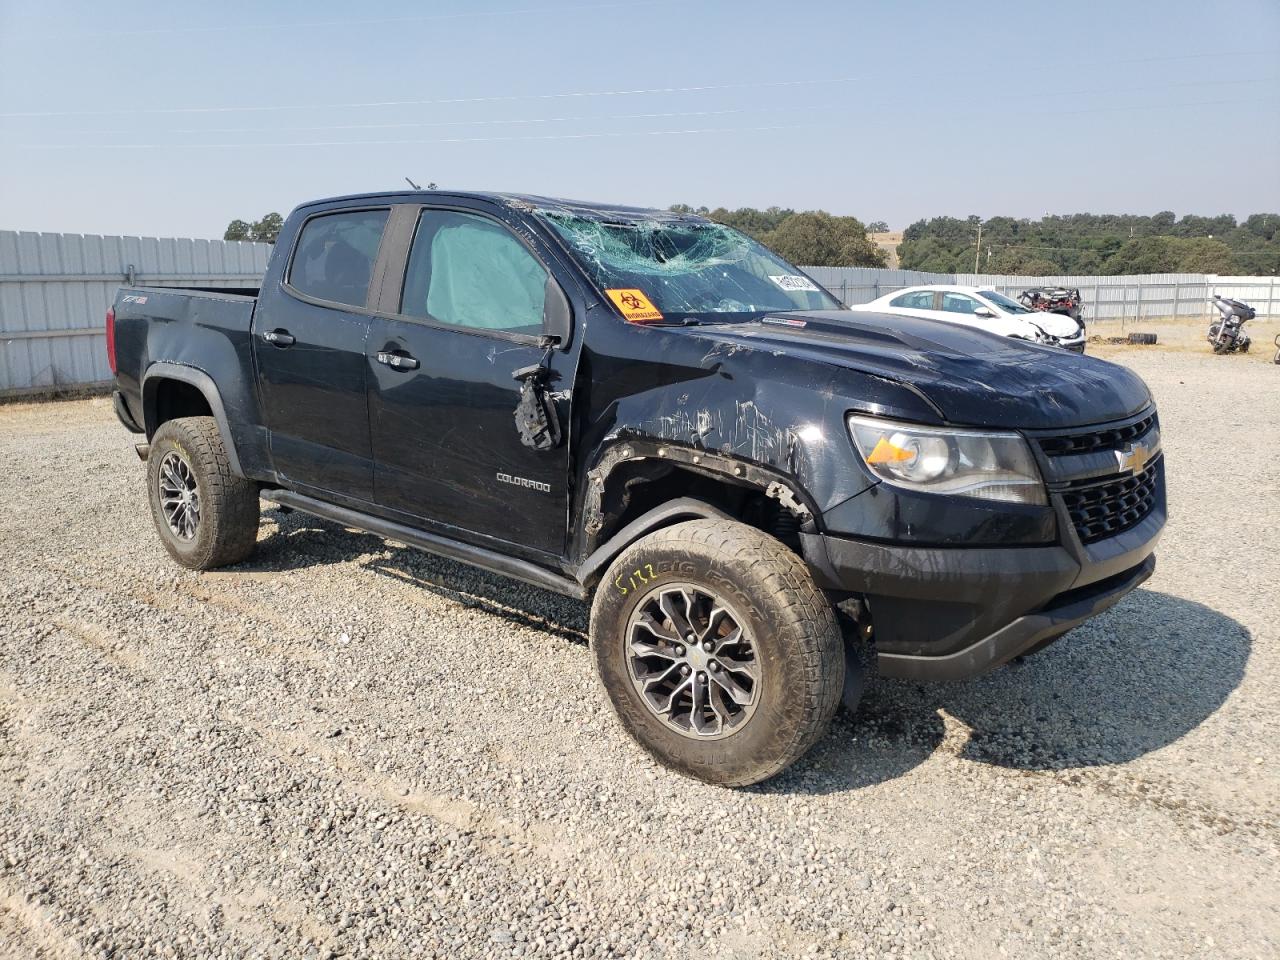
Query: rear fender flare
(163,370)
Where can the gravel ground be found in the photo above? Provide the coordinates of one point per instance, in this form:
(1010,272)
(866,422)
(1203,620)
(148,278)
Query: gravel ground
(347,748)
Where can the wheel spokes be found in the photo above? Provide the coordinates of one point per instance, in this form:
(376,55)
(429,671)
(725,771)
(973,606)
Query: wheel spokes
(691,662)
(179,496)
(726,681)
(670,603)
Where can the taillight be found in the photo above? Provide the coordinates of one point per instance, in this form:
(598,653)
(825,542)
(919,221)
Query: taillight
(111,339)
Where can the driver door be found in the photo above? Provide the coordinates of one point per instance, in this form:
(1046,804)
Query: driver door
(463,312)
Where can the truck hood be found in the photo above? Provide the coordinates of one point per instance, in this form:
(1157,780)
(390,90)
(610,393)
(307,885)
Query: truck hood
(971,377)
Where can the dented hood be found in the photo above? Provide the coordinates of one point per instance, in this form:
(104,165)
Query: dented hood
(1054,324)
(971,377)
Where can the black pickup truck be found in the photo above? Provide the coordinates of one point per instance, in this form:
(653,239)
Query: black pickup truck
(653,412)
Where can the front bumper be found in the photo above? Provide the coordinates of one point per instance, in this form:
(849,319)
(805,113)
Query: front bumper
(948,613)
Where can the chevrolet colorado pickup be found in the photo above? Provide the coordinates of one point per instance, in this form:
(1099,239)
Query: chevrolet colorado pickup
(655,413)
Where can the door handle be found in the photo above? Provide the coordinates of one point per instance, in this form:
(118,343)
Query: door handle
(279,338)
(397,361)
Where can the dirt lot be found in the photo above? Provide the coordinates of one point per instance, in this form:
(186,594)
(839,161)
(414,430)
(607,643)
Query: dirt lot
(345,747)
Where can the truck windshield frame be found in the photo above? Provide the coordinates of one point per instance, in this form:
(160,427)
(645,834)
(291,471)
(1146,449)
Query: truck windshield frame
(686,267)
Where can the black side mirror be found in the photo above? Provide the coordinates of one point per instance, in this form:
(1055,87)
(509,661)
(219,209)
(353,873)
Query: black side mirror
(557,315)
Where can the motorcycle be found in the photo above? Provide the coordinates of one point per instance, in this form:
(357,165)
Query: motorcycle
(1227,334)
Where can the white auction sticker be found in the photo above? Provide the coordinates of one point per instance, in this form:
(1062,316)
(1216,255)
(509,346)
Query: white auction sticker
(792,282)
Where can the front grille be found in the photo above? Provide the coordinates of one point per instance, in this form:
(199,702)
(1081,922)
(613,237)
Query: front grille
(1109,438)
(1103,508)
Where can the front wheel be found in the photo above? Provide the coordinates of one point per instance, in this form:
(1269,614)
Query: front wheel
(719,654)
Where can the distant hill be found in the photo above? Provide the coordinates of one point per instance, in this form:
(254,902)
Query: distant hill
(1106,244)
(888,241)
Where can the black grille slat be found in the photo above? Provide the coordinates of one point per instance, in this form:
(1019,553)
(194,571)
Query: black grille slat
(1112,505)
(1110,438)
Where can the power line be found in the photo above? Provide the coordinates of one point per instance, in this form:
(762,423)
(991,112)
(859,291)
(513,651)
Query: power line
(480,123)
(507,98)
(364,143)
(504,98)
(373,21)
(577,136)
(415,124)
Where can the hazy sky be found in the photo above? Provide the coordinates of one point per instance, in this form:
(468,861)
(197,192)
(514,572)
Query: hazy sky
(171,118)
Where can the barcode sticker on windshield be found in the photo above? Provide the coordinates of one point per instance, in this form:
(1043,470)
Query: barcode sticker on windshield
(791,282)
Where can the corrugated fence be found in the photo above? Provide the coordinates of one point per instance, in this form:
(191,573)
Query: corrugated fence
(55,289)
(1127,299)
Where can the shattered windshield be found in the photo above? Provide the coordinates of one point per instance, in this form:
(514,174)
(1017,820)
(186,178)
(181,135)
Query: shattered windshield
(674,268)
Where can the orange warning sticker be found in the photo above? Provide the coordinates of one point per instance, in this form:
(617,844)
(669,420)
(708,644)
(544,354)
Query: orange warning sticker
(635,306)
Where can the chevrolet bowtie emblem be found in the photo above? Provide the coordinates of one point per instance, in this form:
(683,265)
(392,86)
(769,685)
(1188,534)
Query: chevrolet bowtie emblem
(1134,457)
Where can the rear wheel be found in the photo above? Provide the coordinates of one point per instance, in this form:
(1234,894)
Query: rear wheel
(206,515)
(720,655)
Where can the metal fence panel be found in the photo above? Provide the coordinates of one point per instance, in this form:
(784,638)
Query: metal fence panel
(1125,298)
(55,289)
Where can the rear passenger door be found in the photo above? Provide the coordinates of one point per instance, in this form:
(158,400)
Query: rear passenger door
(962,308)
(310,336)
(917,303)
(463,312)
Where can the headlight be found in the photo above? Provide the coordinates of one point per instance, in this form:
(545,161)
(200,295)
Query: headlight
(959,463)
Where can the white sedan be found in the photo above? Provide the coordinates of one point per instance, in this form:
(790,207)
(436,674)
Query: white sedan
(983,309)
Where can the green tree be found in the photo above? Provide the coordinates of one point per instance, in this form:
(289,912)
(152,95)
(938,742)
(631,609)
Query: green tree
(265,230)
(1144,255)
(1203,255)
(877,226)
(816,238)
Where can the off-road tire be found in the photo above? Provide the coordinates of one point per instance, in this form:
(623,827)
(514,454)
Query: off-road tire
(227,530)
(791,623)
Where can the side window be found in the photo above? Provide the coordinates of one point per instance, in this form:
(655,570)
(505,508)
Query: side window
(468,271)
(920,300)
(335,254)
(958,303)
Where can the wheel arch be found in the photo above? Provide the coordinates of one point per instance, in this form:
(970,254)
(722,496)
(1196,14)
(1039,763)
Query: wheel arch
(665,515)
(155,384)
(638,487)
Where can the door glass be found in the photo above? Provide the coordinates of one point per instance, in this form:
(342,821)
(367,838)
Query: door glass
(958,303)
(920,300)
(467,271)
(335,254)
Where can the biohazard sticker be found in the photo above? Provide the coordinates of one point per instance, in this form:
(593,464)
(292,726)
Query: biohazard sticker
(635,306)
(791,282)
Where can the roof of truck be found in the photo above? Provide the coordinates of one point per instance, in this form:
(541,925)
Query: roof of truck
(581,207)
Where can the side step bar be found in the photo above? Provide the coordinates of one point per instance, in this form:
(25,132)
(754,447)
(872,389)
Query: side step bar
(431,543)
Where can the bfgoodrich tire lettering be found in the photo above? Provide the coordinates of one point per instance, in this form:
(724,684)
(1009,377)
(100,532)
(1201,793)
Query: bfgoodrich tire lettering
(189,453)
(795,643)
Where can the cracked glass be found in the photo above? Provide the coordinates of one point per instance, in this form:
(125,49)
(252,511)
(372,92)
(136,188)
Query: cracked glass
(686,267)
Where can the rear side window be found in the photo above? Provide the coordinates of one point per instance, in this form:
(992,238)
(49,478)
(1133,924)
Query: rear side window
(468,271)
(920,300)
(335,254)
(959,303)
